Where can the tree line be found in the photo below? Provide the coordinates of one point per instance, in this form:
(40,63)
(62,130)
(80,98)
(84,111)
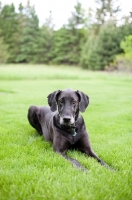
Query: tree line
(90,39)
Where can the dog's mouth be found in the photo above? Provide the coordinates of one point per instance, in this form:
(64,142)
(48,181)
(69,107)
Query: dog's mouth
(68,126)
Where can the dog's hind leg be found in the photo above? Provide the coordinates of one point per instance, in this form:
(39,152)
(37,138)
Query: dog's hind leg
(33,118)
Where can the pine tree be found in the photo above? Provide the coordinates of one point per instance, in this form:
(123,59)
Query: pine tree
(45,41)
(77,19)
(4,55)
(106,10)
(8,27)
(104,37)
(28,32)
(61,48)
(68,40)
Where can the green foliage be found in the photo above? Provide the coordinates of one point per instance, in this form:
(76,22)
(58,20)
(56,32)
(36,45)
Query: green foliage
(61,46)
(68,40)
(101,50)
(91,41)
(28,32)
(44,45)
(104,37)
(127,45)
(88,58)
(77,19)
(67,45)
(123,62)
(106,10)
(29,169)
(45,41)
(4,55)
(108,45)
(8,27)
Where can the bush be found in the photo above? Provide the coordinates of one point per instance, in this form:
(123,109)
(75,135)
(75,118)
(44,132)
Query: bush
(123,62)
(127,46)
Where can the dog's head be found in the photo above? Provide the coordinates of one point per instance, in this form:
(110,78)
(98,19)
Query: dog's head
(69,103)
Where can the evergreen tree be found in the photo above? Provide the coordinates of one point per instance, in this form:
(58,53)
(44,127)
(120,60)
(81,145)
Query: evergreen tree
(77,19)
(104,37)
(4,55)
(69,39)
(8,27)
(108,45)
(61,48)
(106,10)
(28,33)
(100,50)
(45,41)
(88,57)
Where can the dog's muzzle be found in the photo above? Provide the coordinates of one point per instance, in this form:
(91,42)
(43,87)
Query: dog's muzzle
(67,121)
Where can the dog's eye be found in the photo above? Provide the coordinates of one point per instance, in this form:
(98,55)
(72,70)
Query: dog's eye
(61,100)
(73,102)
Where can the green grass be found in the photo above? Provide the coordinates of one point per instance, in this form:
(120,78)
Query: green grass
(29,169)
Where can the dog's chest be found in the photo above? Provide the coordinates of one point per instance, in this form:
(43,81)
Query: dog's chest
(71,137)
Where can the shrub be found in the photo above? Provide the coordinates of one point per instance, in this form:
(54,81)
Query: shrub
(123,62)
(126,45)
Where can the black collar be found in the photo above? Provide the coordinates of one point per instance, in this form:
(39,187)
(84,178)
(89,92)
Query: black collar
(70,129)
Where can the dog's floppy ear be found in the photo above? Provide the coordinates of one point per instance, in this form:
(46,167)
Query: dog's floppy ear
(52,99)
(83,100)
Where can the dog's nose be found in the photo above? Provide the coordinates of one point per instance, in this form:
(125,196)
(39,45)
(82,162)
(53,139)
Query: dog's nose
(66,119)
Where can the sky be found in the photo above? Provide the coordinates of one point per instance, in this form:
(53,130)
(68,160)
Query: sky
(61,9)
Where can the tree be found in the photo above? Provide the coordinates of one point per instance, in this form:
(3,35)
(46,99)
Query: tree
(88,57)
(45,41)
(8,27)
(77,19)
(61,48)
(108,45)
(68,40)
(4,55)
(104,37)
(106,10)
(101,49)
(28,33)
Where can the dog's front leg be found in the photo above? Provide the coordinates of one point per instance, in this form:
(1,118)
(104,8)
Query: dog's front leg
(91,153)
(73,161)
(62,148)
(84,146)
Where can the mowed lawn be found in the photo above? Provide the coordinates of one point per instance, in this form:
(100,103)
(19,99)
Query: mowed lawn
(30,170)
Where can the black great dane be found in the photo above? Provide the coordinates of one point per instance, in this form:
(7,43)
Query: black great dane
(62,124)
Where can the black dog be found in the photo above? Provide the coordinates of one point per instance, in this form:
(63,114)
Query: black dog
(61,123)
